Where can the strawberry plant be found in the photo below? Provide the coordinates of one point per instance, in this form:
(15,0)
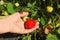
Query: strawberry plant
(46,12)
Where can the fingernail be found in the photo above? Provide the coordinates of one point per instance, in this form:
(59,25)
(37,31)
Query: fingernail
(38,22)
(37,26)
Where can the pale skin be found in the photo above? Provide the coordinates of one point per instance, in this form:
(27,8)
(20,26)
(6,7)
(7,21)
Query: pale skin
(15,24)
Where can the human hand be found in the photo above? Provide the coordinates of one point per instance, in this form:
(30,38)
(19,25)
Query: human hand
(15,24)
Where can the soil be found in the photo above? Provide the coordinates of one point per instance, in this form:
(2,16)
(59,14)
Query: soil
(10,36)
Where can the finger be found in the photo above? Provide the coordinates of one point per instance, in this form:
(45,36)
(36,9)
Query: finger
(31,30)
(20,14)
(24,14)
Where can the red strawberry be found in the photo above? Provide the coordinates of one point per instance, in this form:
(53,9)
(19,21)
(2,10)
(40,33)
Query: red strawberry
(30,23)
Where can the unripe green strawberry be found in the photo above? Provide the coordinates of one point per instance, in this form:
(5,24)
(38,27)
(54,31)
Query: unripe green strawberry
(5,13)
(49,9)
(25,18)
(30,23)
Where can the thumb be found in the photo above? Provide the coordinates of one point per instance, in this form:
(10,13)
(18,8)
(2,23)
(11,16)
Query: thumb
(22,14)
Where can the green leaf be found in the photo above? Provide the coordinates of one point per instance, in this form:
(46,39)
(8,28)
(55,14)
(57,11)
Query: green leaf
(34,3)
(51,37)
(42,21)
(58,31)
(25,9)
(28,37)
(38,20)
(24,38)
(29,5)
(10,8)
(33,13)
(35,35)
(58,5)
(50,21)
(57,24)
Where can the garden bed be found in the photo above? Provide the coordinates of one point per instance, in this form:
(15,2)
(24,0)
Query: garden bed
(46,12)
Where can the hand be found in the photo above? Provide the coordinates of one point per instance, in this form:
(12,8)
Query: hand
(15,24)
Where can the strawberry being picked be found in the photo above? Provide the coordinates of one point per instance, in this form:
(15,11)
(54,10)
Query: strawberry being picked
(30,23)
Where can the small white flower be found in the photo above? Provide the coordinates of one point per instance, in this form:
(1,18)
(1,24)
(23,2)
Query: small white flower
(1,2)
(17,4)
